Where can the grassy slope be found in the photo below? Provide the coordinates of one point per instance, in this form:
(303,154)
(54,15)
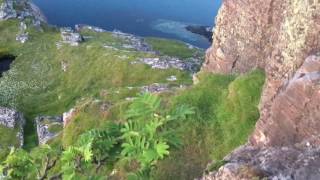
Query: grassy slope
(8,137)
(36,85)
(171,47)
(226,111)
(226,106)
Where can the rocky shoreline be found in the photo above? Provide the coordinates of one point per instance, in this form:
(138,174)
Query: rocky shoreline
(205,31)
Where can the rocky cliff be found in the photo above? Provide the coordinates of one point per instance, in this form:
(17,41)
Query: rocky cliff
(283,38)
(21,9)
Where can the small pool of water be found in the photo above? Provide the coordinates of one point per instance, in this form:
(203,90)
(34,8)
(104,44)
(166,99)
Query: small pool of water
(5,62)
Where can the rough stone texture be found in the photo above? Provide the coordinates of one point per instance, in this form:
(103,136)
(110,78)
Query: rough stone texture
(282,37)
(69,36)
(7,11)
(23,36)
(133,42)
(277,35)
(80,27)
(165,62)
(43,124)
(67,116)
(294,114)
(287,163)
(10,118)
(26,9)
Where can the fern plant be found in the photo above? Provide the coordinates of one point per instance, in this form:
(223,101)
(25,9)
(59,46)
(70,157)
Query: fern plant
(93,149)
(18,165)
(145,134)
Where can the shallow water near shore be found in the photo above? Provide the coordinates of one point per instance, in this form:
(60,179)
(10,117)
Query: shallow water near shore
(165,18)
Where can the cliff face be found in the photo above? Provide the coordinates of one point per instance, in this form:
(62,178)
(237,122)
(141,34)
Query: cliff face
(278,36)
(282,37)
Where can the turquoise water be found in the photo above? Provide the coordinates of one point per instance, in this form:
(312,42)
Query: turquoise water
(160,18)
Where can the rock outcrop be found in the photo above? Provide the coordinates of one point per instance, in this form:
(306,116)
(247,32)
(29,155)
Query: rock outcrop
(48,127)
(165,62)
(69,36)
(248,162)
(20,9)
(283,38)
(10,118)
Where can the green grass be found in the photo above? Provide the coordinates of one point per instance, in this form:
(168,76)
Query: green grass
(55,128)
(226,112)
(8,137)
(225,105)
(36,84)
(174,48)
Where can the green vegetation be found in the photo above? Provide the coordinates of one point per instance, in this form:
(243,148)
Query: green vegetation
(226,112)
(110,136)
(144,139)
(8,137)
(172,48)
(36,83)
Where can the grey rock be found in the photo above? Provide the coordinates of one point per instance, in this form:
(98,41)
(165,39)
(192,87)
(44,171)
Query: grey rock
(172,78)
(67,116)
(276,163)
(80,27)
(166,62)
(22,38)
(159,88)
(7,10)
(155,88)
(133,42)
(26,9)
(69,36)
(44,123)
(64,66)
(12,119)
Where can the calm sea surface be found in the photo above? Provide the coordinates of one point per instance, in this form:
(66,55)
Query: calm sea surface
(159,18)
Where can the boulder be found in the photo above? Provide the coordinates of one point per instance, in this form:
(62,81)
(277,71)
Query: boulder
(69,36)
(22,38)
(12,119)
(48,127)
(287,163)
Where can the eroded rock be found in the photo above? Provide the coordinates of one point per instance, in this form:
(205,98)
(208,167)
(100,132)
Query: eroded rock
(277,36)
(294,113)
(133,42)
(67,116)
(9,10)
(281,37)
(277,163)
(48,127)
(166,62)
(12,119)
(69,36)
